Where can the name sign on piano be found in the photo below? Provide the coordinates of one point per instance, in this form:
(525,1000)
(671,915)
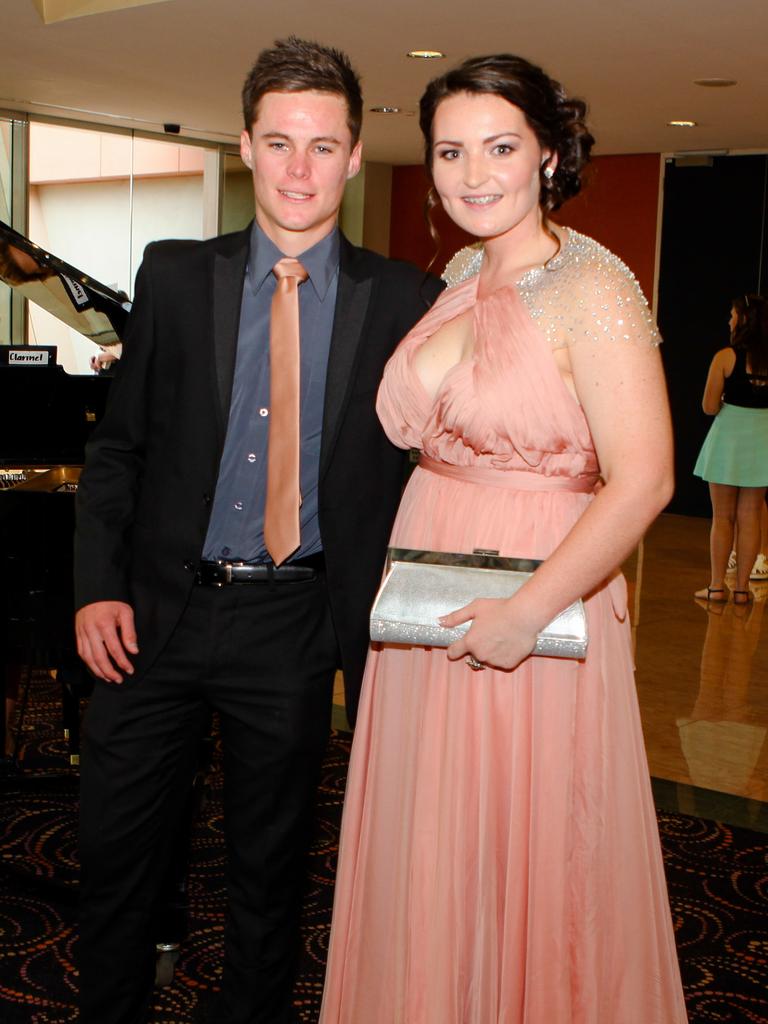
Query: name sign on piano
(27,355)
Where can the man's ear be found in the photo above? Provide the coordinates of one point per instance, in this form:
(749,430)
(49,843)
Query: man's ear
(246,155)
(355,159)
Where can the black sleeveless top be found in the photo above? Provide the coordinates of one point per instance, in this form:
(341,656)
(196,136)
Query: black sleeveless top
(745,389)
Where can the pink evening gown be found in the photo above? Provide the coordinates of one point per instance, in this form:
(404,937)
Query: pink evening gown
(500,860)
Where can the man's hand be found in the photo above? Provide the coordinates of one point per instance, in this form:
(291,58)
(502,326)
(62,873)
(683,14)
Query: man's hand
(106,635)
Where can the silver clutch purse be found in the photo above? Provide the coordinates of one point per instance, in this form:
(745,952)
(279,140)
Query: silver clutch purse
(420,586)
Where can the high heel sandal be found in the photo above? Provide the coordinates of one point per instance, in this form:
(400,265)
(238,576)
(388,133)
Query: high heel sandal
(742,596)
(705,594)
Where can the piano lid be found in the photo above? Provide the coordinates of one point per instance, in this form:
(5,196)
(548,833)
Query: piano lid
(87,306)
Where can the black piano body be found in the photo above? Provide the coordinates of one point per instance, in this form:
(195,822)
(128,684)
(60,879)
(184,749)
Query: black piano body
(46,417)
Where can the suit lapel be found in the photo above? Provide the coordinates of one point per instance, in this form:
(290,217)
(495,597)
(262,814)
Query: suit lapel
(228,276)
(352,301)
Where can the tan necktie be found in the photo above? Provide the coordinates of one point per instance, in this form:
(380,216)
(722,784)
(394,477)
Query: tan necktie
(282,532)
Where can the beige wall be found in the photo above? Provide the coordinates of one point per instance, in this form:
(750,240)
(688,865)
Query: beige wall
(365,211)
(59,153)
(237,202)
(377,207)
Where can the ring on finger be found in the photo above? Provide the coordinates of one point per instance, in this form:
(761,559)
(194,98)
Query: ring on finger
(474,664)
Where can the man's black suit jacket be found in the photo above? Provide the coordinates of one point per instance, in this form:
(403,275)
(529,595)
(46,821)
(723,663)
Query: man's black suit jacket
(145,494)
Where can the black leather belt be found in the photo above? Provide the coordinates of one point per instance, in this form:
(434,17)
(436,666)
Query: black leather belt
(223,574)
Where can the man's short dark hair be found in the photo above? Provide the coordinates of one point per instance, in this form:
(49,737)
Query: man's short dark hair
(297,65)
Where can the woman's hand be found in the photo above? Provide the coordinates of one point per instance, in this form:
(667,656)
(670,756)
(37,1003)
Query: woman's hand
(497,636)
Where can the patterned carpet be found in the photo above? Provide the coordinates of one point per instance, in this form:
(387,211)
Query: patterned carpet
(718,881)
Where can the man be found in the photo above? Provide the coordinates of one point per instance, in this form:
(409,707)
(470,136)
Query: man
(184,604)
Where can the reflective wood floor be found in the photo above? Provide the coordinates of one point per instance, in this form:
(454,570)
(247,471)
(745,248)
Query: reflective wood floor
(702,680)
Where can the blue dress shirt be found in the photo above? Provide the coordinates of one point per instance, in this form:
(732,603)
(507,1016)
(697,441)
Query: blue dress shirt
(236,528)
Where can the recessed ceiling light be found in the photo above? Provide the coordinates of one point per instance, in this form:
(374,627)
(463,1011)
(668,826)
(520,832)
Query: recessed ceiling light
(682,124)
(715,83)
(425,54)
(385,110)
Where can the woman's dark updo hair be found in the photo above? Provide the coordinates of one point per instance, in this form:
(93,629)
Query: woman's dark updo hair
(556,120)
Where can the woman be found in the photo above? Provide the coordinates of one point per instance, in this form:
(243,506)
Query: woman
(734,456)
(499,861)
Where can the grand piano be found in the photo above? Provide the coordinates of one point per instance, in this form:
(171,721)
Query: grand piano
(46,417)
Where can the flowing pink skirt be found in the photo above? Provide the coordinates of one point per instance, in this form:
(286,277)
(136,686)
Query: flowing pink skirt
(500,860)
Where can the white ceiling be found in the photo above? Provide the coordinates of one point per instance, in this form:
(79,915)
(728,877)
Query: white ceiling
(184,61)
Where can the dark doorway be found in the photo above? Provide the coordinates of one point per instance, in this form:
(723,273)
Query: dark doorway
(714,247)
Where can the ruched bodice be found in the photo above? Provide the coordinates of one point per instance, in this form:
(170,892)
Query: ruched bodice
(506,406)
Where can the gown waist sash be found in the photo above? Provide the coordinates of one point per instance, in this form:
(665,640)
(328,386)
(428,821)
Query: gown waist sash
(513,479)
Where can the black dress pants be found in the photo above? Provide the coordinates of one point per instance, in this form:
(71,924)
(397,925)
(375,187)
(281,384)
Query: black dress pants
(263,655)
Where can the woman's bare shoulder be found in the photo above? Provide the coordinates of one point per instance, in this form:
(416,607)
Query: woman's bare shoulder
(725,360)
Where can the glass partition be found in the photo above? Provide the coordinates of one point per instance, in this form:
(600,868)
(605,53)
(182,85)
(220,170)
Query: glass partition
(174,188)
(6,162)
(97,197)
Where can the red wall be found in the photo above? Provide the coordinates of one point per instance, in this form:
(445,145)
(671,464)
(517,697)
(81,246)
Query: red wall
(409,237)
(618,207)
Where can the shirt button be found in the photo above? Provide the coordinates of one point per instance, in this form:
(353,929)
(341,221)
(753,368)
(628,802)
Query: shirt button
(251,457)
(238,506)
(263,412)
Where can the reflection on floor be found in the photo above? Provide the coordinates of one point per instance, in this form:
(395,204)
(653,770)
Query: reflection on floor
(702,680)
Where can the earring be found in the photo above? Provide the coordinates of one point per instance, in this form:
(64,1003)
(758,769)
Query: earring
(548,173)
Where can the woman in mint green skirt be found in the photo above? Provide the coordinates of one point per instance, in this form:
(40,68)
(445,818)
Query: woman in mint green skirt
(734,456)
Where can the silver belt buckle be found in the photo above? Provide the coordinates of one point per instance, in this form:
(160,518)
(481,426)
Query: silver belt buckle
(227,568)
